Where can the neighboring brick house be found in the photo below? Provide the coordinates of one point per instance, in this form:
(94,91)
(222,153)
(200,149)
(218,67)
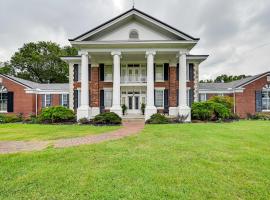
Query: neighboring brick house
(19,96)
(250,95)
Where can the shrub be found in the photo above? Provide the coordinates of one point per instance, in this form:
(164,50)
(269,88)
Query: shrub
(202,111)
(210,110)
(259,116)
(157,119)
(9,119)
(107,118)
(56,114)
(224,100)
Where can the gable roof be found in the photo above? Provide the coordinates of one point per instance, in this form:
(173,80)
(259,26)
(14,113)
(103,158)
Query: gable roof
(231,85)
(42,86)
(134,11)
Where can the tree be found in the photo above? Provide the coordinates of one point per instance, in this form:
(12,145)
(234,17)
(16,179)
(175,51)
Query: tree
(40,62)
(224,79)
(6,69)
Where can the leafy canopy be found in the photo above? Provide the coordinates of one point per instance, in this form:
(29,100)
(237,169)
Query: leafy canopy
(40,62)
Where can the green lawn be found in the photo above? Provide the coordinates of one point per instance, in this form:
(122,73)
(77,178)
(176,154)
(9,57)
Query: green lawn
(48,132)
(190,161)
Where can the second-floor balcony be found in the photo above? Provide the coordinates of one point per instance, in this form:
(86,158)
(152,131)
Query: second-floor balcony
(134,79)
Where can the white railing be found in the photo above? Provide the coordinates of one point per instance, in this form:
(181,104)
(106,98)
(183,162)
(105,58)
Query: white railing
(133,79)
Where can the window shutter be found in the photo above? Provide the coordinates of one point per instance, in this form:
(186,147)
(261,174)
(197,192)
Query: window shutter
(101,100)
(191,72)
(76,103)
(60,99)
(191,97)
(10,101)
(51,102)
(166,71)
(258,101)
(166,99)
(43,100)
(155,97)
(89,72)
(101,72)
(68,100)
(177,97)
(177,72)
(76,72)
(154,72)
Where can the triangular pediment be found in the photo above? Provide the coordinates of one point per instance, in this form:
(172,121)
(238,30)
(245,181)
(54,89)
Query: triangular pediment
(147,28)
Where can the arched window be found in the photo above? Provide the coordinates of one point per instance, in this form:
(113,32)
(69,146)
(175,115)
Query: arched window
(133,34)
(3,99)
(266,98)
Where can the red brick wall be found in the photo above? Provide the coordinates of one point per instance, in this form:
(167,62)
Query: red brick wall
(245,102)
(23,103)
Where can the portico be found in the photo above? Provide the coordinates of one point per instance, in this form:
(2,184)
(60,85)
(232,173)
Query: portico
(134,59)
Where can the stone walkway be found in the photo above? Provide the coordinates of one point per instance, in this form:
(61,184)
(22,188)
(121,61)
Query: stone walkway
(129,128)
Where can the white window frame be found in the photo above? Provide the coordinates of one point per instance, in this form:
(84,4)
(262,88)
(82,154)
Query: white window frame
(267,98)
(155,99)
(3,102)
(108,102)
(63,101)
(46,98)
(161,66)
(108,77)
(79,97)
(204,97)
(187,72)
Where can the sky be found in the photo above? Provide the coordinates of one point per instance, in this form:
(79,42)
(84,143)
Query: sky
(235,33)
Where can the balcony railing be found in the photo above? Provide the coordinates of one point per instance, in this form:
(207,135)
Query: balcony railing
(133,79)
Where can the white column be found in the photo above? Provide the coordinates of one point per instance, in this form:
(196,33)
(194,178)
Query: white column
(84,110)
(70,77)
(183,107)
(150,104)
(116,107)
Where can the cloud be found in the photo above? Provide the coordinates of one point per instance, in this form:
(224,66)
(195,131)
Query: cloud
(236,34)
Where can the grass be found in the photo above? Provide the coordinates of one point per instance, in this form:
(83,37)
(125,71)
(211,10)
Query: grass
(48,132)
(190,161)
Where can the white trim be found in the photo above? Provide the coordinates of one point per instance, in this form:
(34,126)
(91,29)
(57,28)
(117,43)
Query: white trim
(251,81)
(127,42)
(134,12)
(15,81)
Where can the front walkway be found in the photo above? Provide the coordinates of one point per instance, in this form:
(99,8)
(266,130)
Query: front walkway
(129,128)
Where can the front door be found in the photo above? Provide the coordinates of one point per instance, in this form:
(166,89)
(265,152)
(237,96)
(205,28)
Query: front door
(133,103)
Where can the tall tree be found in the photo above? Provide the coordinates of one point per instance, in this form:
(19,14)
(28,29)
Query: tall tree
(40,62)
(224,79)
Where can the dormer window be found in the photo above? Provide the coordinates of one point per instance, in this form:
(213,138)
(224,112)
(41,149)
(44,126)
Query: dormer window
(133,34)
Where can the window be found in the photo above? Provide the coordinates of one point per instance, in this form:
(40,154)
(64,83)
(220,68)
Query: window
(79,73)
(46,100)
(159,98)
(187,99)
(203,97)
(64,100)
(3,99)
(133,34)
(108,98)
(266,99)
(159,73)
(79,98)
(108,73)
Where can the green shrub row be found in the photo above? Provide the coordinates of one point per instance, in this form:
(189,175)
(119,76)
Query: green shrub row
(259,116)
(10,118)
(56,114)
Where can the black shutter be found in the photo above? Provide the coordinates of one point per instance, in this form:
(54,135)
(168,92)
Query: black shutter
(10,101)
(76,103)
(101,72)
(76,72)
(166,99)
(155,97)
(191,72)
(177,72)
(166,71)
(258,101)
(68,100)
(101,100)
(191,97)
(154,72)
(60,99)
(51,102)
(177,97)
(89,72)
